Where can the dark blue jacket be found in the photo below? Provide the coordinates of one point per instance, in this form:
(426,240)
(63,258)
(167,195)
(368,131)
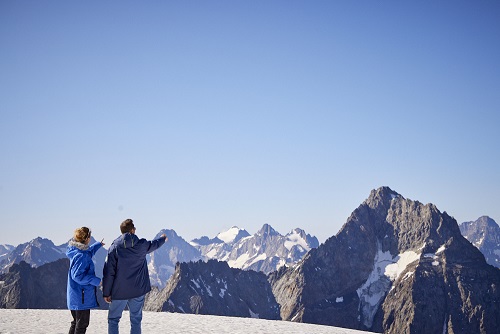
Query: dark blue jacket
(125,271)
(82,281)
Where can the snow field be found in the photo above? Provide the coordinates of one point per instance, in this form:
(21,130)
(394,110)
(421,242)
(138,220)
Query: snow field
(26,321)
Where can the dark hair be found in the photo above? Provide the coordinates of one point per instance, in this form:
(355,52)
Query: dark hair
(127,225)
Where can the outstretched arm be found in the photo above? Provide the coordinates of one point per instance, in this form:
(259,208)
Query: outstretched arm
(156,243)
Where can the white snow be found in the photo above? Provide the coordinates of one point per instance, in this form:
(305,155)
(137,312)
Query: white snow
(339,299)
(386,269)
(408,275)
(295,239)
(435,263)
(212,253)
(229,235)
(253,315)
(402,261)
(258,258)
(441,249)
(445,325)
(479,243)
(195,283)
(239,262)
(58,321)
(207,287)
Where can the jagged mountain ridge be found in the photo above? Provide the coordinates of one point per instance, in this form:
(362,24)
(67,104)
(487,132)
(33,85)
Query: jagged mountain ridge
(214,288)
(35,252)
(396,266)
(40,251)
(266,250)
(484,233)
(24,286)
(5,249)
(41,287)
(161,263)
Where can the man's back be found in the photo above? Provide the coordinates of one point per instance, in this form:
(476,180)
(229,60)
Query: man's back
(125,271)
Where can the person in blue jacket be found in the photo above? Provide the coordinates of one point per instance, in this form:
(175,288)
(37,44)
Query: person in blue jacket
(126,277)
(82,281)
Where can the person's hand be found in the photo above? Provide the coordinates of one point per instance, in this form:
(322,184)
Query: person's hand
(164,236)
(102,242)
(107,299)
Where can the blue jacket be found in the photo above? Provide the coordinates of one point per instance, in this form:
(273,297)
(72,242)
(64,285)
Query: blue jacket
(82,281)
(125,271)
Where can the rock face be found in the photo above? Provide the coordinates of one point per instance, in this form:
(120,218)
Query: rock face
(214,288)
(5,249)
(265,251)
(161,263)
(396,266)
(484,233)
(43,287)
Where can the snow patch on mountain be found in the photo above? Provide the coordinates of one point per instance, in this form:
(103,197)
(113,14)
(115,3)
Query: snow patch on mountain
(266,250)
(386,269)
(230,235)
(295,238)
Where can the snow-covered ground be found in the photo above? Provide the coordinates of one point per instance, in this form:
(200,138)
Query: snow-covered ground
(57,321)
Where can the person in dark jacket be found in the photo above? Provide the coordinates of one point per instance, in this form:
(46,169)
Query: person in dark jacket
(82,281)
(126,276)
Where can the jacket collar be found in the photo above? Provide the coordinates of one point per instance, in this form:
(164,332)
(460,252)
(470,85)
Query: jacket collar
(78,245)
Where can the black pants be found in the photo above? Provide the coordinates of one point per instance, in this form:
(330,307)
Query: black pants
(81,320)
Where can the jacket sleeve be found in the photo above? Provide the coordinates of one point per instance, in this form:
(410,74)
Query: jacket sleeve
(109,273)
(154,244)
(79,271)
(95,247)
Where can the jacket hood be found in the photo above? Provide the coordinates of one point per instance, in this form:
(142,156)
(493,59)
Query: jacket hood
(75,247)
(127,240)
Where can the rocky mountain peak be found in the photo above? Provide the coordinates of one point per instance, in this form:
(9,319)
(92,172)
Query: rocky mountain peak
(366,276)
(161,263)
(381,197)
(232,235)
(484,233)
(214,288)
(267,231)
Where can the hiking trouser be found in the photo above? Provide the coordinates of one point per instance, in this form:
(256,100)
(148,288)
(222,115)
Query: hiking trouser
(81,320)
(116,308)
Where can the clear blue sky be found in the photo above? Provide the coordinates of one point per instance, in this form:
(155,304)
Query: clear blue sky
(200,115)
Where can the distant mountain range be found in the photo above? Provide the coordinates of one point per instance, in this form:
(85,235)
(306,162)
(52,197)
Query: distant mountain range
(265,251)
(40,251)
